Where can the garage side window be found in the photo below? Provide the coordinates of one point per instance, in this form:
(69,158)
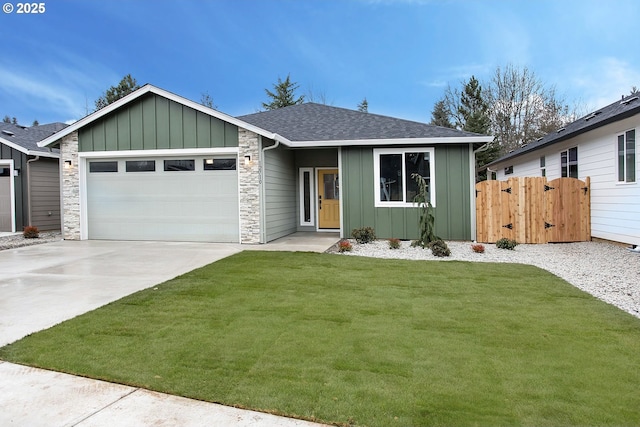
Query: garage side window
(219,164)
(5,172)
(100,167)
(141,165)
(179,165)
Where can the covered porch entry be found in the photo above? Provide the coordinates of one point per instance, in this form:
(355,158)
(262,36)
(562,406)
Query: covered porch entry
(302,192)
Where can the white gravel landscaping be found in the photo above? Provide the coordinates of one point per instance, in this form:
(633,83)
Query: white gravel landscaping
(607,271)
(17,240)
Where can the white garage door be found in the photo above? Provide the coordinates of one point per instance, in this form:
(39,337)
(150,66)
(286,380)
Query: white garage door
(189,199)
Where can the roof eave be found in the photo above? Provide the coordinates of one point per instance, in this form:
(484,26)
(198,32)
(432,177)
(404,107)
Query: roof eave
(624,115)
(392,141)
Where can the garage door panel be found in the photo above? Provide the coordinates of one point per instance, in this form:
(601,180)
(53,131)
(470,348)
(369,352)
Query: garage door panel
(163,205)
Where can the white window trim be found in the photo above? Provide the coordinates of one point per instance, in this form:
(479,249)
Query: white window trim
(312,196)
(625,182)
(376,175)
(569,162)
(12,189)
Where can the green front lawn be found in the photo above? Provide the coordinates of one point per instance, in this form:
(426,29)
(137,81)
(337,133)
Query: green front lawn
(351,340)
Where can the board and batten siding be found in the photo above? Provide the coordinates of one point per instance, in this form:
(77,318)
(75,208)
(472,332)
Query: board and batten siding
(154,122)
(453,204)
(280,193)
(45,194)
(615,206)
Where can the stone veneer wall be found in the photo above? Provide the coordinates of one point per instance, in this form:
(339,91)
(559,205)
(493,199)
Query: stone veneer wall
(249,183)
(70,188)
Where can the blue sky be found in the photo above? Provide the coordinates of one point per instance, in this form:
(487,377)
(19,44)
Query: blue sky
(399,54)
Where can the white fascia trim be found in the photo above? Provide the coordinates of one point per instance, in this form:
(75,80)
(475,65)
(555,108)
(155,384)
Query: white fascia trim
(157,153)
(160,92)
(395,141)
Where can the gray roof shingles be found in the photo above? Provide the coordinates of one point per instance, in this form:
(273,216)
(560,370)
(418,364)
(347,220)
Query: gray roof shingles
(626,107)
(318,122)
(28,137)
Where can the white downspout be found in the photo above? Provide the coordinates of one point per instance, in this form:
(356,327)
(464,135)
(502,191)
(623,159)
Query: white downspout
(263,208)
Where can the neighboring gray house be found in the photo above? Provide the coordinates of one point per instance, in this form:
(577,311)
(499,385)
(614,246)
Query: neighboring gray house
(602,146)
(29,178)
(156,166)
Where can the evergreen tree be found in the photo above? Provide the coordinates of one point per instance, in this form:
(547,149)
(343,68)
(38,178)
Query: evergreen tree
(440,115)
(6,119)
(363,106)
(284,95)
(35,123)
(127,85)
(474,111)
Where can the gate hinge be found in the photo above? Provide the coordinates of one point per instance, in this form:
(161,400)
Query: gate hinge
(585,189)
(547,188)
(509,226)
(547,225)
(507,190)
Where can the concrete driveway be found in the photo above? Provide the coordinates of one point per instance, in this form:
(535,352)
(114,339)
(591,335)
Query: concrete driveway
(43,285)
(46,284)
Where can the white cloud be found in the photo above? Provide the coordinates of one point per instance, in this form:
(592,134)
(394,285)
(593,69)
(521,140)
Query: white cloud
(602,81)
(64,90)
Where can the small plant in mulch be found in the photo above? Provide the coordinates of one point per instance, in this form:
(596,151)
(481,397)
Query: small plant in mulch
(394,243)
(344,246)
(363,235)
(505,243)
(477,248)
(31,232)
(439,248)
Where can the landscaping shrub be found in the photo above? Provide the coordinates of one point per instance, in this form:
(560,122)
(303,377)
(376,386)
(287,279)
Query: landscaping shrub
(439,248)
(394,243)
(364,234)
(478,248)
(505,243)
(426,222)
(344,246)
(31,232)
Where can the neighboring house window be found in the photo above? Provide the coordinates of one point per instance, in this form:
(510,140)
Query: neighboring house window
(569,163)
(393,170)
(508,170)
(627,156)
(5,172)
(543,167)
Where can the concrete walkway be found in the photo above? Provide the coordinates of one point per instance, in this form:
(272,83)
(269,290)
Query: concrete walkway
(46,284)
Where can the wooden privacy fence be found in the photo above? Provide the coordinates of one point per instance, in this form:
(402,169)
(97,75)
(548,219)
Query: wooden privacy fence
(533,210)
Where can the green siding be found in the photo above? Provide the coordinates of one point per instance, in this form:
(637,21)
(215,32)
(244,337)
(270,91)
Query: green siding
(452,209)
(153,122)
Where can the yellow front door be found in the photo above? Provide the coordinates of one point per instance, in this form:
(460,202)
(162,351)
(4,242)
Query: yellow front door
(328,198)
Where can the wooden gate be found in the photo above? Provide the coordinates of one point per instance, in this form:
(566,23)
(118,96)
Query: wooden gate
(533,210)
